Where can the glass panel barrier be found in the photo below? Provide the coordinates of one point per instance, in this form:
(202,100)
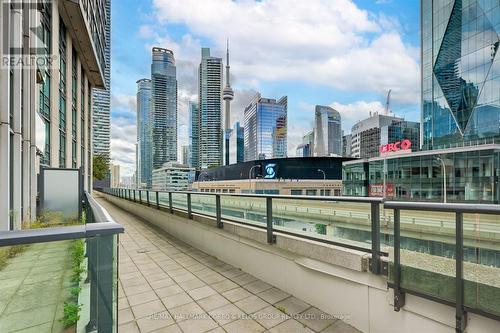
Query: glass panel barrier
(179,200)
(163,198)
(343,222)
(203,204)
(244,209)
(59,286)
(482,262)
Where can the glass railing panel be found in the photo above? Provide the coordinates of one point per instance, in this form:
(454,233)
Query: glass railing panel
(152,197)
(59,286)
(244,209)
(482,262)
(163,199)
(427,253)
(203,204)
(179,200)
(343,222)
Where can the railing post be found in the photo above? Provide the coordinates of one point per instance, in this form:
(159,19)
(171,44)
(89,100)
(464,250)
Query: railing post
(157,200)
(170,205)
(140,196)
(269,219)
(460,315)
(375,263)
(218,214)
(134,195)
(190,214)
(399,297)
(147,197)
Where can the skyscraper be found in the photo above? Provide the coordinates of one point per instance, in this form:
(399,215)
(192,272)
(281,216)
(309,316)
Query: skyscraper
(460,72)
(144,161)
(101,130)
(327,131)
(163,107)
(236,144)
(227,95)
(210,111)
(265,128)
(194,133)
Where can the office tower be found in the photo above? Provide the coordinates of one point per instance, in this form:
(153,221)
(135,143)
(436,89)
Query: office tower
(227,95)
(46,111)
(346,145)
(144,154)
(305,149)
(236,144)
(163,107)
(369,134)
(114,175)
(265,128)
(210,111)
(101,128)
(327,132)
(173,176)
(186,155)
(194,133)
(460,73)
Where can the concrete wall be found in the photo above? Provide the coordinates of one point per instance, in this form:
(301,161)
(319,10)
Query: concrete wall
(331,278)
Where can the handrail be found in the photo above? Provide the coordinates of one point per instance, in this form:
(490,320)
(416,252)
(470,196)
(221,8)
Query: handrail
(444,207)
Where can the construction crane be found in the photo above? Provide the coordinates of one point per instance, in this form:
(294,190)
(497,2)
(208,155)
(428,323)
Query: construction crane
(388,103)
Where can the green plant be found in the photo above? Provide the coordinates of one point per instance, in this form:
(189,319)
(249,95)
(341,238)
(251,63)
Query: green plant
(77,257)
(9,252)
(71,314)
(75,291)
(281,308)
(100,166)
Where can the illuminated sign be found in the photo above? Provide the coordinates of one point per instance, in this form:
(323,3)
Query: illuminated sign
(377,190)
(396,146)
(270,170)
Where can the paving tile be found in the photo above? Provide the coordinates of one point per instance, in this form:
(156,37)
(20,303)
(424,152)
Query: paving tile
(125,316)
(340,327)
(236,294)
(226,314)
(251,304)
(187,311)
(191,284)
(176,300)
(257,286)
(212,278)
(142,298)
(133,290)
(244,279)
(273,295)
(202,292)
(291,325)
(292,305)
(122,303)
(169,329)
(168,291)
(197,325)
(314,318)
(152,323)
(162,283)
(270,317)
(244,326)
(224,285)
(212,302)
(128,328)
(148,309)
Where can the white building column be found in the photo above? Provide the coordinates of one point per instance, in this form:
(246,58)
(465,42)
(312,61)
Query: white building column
(4,134)
(79,110)
(54,89)
(69,96)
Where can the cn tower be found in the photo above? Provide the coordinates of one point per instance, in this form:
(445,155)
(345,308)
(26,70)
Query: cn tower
(227,96)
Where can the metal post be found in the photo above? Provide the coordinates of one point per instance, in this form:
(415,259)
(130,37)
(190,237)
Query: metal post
(269,219)
(375,263)
(170,205)
(190,214)
(157,200)
(461,315)
(140,196)
(399,297)
(218,213)
(147,197)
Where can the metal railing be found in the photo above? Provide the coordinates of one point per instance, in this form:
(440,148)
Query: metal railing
(429,225)
(96,282)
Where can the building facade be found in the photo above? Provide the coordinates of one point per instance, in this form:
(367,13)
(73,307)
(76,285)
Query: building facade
(186,155)
(237,144)
(194,134)
(102,97)
(369,134)
(115,175)
(327,131)
(460,73)
(305,149)
(144,144)
(163,107)
(347,145)
(46,110)
(227,96)
(210,111)
(173,177)
(265,128)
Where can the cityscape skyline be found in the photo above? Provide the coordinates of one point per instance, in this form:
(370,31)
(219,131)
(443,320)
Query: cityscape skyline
(303,94)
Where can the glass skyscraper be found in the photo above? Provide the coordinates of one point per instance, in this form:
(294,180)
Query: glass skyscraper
(194,133)
(163,107)
(102,97)
(327,131)
(236,144)
(265,128)
(460,72)
(210,111)
(144,161)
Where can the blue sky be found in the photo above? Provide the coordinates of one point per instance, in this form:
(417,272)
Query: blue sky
(342,53)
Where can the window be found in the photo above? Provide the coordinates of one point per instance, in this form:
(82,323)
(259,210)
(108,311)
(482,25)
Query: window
(62,95)
(311,192)
(44,95)
(296,192)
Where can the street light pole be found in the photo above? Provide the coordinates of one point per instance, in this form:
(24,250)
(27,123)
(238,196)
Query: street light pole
(444,177)
(324,181)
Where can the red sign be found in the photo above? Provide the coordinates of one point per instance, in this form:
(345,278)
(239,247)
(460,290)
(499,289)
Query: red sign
(396,146)
(377,190)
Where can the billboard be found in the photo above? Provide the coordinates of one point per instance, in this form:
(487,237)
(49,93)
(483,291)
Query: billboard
(377,190)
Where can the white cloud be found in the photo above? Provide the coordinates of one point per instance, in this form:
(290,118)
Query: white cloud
(331,42)
(358,110)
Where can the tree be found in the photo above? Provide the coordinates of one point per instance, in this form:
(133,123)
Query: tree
(100,165)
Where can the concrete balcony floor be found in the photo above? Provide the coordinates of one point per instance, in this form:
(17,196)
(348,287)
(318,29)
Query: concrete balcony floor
(168,286)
